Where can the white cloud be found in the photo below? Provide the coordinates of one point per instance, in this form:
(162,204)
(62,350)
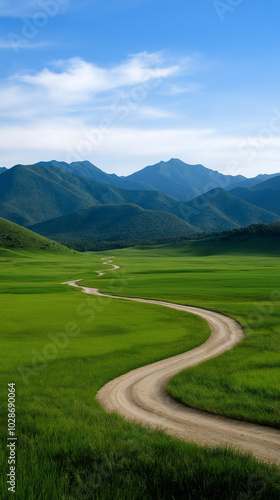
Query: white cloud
(17,45)
(124,150)
(153,112)
(175,89)
(11,97)
(75,110)
(77,81)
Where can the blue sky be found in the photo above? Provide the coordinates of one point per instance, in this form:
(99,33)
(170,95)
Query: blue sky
(126,84)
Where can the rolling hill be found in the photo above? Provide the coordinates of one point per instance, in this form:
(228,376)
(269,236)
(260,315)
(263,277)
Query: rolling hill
(38,193)
(219,210)
(114,223)
(14,237)
(265,194)
(33,194)
(259,231)
(255,239)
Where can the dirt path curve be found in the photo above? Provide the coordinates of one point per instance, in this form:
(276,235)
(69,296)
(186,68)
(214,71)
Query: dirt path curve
(106,261)
(140,394)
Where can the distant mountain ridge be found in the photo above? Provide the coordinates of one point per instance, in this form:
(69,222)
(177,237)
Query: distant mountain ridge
(218,210)
(175,178)
(185,182)
(89,171)
(33,194)
(265,195)
(3,169)
(46,195)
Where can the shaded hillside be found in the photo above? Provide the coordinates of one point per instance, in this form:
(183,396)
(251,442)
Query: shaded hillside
(32,194)
(271,230)
(14,237)
(255,181)
(2,170)
(177,179)
(127,222)
(265,195)
(256,239)
(219,210)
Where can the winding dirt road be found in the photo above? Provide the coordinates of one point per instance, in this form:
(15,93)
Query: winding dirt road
(106,262)
(140,394)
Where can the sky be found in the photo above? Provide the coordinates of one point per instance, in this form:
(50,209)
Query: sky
(128,83)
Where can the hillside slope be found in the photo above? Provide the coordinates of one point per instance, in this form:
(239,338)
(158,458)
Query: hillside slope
(14,237)
(33,194)
(255,239)
(125,222)
(265,194)
(219,210)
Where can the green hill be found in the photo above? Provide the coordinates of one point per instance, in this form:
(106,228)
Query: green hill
(14,237)
(219,210)
(125,223)
(251,240)
(33,194)
(260,231)
(265,194)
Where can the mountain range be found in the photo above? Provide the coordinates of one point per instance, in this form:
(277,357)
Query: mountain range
(174,177)
(32,194)
(89,171)
(265,195)
(185,182)
(79,202)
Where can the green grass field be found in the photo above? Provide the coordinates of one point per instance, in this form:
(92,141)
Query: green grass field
(60,346)
(245,382)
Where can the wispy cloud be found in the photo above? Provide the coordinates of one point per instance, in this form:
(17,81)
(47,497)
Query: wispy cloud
(176,89)
(120,117)
(121,150)
(75,81)
(90,92)
(22,44)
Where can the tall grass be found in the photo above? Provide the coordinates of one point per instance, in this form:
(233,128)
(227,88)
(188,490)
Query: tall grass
(68,447)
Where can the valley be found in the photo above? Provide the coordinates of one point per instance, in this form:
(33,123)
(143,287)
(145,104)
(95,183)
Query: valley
(63,346)
(139,250)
